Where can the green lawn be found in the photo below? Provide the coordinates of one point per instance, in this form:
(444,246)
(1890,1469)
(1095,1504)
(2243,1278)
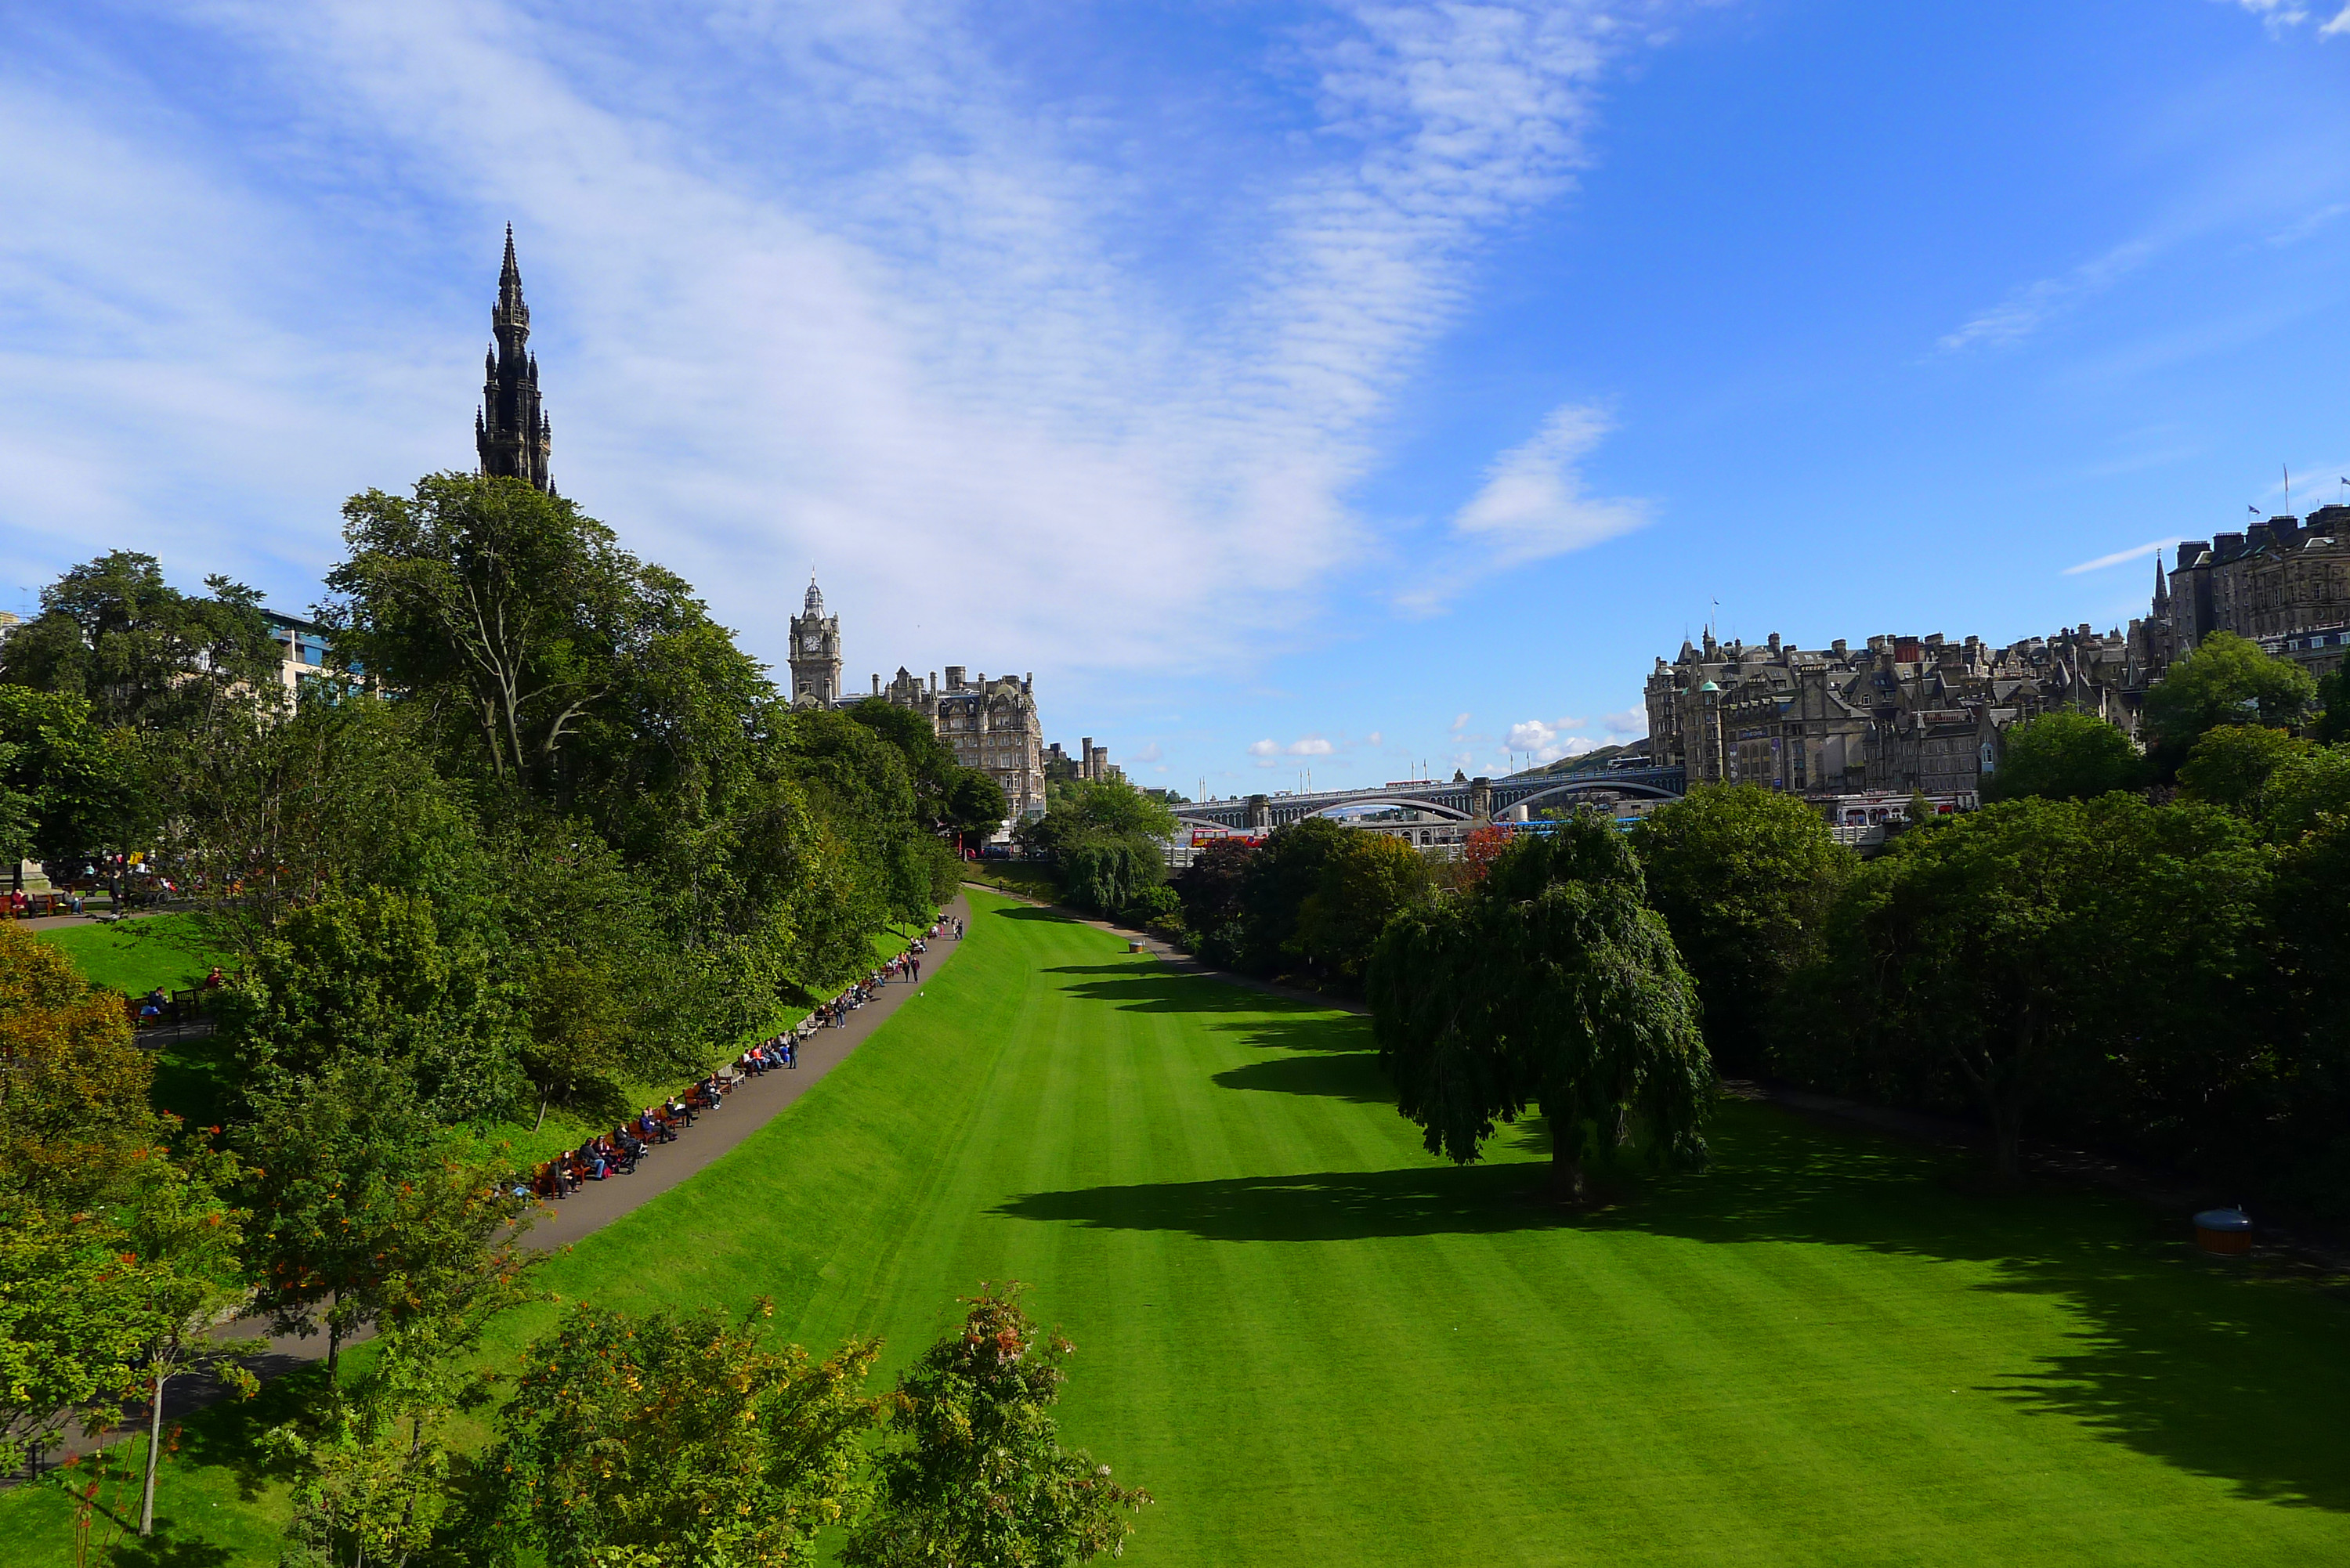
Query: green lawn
(1316,1344)
(134,957)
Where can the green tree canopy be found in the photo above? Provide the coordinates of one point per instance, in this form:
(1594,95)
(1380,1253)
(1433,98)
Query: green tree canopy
(2102,951)
(1744,877)
(362,1210)
(1106,839)
(973,1470)
(2230,764)
(1550,985)
(2065,756)
(2225,679)
(1285,871)
(372,972)
(680,1439)
(2304,787)
(1371,878)
(142,653)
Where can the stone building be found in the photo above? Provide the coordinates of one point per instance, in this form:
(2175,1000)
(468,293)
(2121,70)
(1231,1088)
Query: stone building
(1901,713)
(990,725)
(2284,583)
(993,726)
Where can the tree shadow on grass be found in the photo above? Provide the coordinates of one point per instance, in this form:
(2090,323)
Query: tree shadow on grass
(1326,1206)
(165,1549)
(1343,1074)
(227,1433)
(2236,1375)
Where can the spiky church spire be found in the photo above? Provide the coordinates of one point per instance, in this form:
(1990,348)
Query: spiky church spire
(510,429)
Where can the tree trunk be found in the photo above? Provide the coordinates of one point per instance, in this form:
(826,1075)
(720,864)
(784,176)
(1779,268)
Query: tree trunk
(1566,1164)
(154,1454)
(2007,1139)
(542,1111)
(334,1345)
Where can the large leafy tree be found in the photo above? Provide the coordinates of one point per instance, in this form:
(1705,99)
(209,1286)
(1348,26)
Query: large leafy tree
(371,971)
(973,1470)
(1372,877)
(70,792)
(2106,954)
(1106,839)
(1285,871)
(680,1438)
(142,652)
(363,1210)
(2224,680)
(502,605)
(1551,985)
(2065,756)
(1213,890)
(949,798)
(263,820)
(77,1138)
(1744,877)
(2230,764)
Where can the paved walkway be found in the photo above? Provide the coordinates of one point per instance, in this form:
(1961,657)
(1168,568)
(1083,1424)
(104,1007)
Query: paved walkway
(751,1106)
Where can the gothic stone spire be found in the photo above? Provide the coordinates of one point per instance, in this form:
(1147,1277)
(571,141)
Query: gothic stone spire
(511,431)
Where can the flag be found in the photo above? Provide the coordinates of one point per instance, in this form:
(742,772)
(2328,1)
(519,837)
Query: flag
(2252,509)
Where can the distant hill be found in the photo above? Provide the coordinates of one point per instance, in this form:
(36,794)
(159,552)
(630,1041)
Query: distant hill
(1593,761)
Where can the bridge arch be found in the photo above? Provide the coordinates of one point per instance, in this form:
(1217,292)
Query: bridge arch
(1580,786)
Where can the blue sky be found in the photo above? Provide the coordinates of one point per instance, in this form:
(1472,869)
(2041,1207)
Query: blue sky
(1342,387)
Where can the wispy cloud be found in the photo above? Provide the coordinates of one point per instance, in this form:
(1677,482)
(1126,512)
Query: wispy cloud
(2134,553)
(2284,15)
(2303,227)
(1531,506)
(2033,306)
(838,284)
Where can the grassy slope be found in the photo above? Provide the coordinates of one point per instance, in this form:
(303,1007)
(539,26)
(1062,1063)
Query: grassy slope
(1317,1344)
(136,956)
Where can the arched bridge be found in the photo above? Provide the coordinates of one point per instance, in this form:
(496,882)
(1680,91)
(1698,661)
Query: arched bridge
(1463,800)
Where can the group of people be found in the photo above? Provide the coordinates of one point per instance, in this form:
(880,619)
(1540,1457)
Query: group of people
(906,966)
(616,1153)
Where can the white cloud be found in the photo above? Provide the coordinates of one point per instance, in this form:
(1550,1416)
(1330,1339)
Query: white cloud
(2309,223)
(1265,748)
(2135,551)
(1530,507)
(1311,747)
(1150,753)
(1373,739)
(1459,722)
(2276,14)
(2033,306)
(2281,15)
(863,295)
(1546,740)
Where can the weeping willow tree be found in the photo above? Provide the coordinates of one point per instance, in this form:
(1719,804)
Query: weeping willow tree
(1550,985)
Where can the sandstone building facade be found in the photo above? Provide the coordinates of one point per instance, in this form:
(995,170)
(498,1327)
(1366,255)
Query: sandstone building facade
(2284,583)
(990,725)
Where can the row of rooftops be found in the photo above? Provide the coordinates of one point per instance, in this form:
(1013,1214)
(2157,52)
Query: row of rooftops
(2277,534)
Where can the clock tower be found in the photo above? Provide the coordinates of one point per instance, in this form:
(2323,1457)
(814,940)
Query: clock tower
(816,654)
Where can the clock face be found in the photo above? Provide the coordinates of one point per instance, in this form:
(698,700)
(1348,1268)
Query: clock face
(811,643)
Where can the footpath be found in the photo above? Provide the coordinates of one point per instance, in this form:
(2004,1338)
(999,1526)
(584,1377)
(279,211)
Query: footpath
(754,1103)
